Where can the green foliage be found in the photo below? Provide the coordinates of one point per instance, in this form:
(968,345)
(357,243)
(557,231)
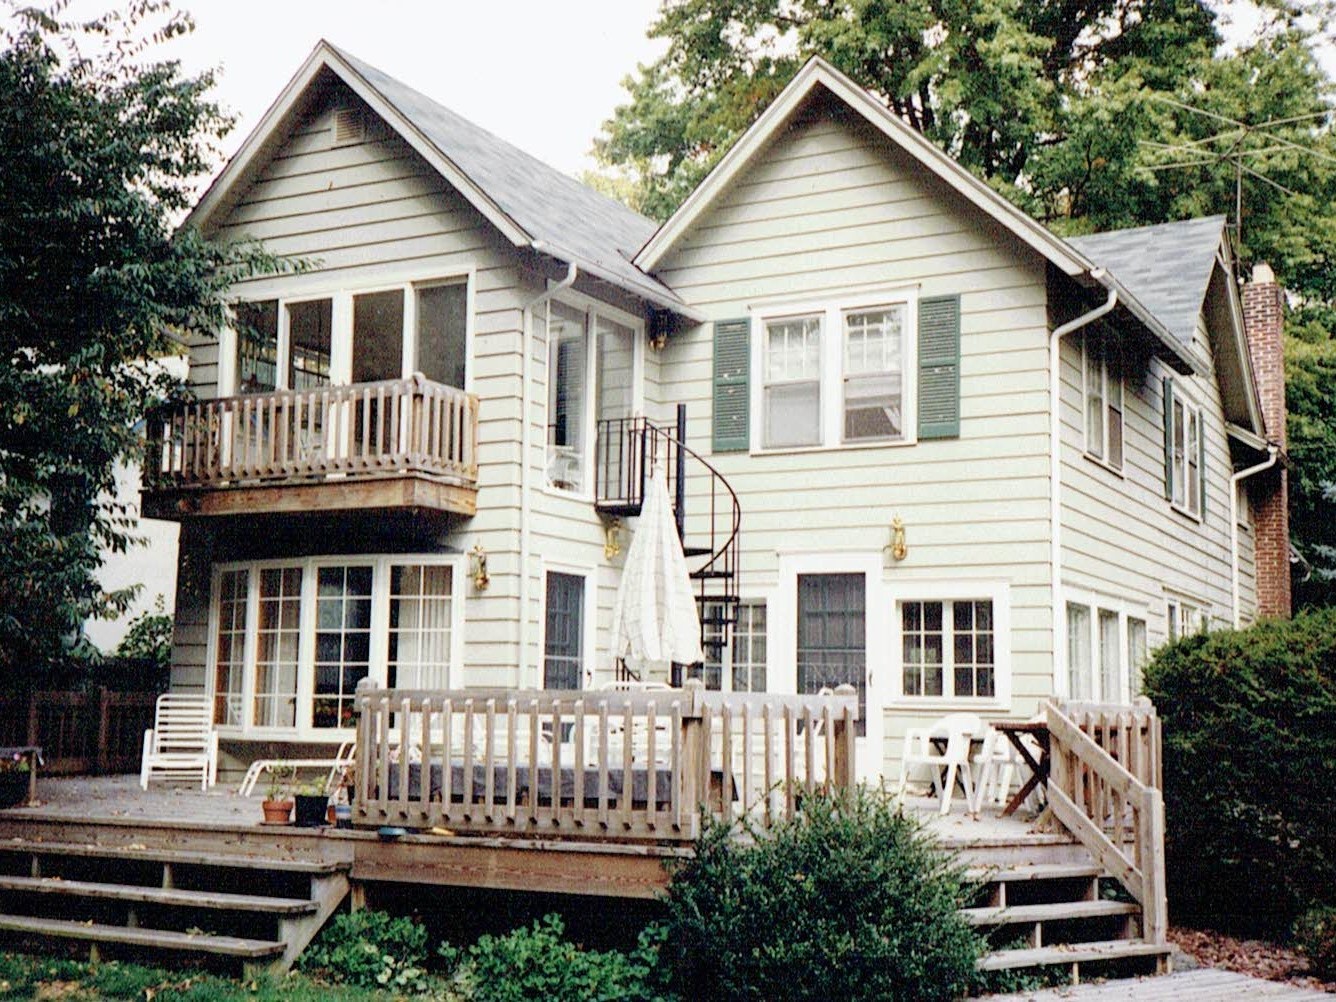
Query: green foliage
(1310,388)
(1315,936)
(102,146)
(370,949)
(149,637)
(850,899)
(1249,765)
(540,963)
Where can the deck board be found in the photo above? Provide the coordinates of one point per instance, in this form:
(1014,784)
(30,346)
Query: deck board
(1204,985)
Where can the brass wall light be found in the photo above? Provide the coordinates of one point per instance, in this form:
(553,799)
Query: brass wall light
(612,538)
(898,547)
(478,567)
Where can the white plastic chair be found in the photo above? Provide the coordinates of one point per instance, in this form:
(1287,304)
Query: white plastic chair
(998,762)
(342,758)
(182,741)
(959,730)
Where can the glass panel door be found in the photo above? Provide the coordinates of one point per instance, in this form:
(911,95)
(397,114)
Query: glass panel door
(832,635)
(562,646)
(378,336)
(442,324)
(277,640)
(342,642)
(421,607)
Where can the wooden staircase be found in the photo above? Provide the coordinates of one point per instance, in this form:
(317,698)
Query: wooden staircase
(218,909)
(627,449)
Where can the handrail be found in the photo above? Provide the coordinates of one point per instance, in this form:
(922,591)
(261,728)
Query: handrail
(1104,788)
(632,765)
(362,429)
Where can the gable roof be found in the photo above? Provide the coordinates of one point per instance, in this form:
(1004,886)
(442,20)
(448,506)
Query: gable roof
(531,204)
(1167,266)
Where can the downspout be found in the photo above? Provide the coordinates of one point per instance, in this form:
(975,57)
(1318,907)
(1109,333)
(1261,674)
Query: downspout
(572,270)
(1055,457)
(1273,454)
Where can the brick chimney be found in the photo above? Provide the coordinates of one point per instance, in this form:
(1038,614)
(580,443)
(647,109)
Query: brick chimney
(1263,317)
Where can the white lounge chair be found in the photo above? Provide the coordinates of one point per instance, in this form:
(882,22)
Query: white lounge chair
(344,757)
(920,749)
(182,741)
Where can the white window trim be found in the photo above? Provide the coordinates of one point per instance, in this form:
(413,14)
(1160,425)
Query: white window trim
(378,669)
(590,653)
(951,590)
(1190,407)
(1174,598)
(1109,379)
(726,659)
(1097,602)
(831,380)
(341,324)
(591,308)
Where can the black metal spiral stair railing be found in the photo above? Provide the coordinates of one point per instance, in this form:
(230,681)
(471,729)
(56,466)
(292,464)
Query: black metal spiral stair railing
(627,449)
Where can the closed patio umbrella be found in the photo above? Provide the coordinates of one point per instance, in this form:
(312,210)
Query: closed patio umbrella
(654,620)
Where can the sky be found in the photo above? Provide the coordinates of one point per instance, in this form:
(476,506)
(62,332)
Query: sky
(542,74)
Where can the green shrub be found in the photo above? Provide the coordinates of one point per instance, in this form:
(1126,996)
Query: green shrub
(1249,767)
(540,963)
(848,900)
(1315,937)
(370,949)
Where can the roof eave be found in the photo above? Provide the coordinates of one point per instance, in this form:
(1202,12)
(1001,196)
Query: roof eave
(1240,330)
(815,72)
(649,290)
(1173,350)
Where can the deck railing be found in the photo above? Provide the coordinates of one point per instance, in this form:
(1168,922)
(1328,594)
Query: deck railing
(1105,789)
(365,429)
(632,765)
(80,733)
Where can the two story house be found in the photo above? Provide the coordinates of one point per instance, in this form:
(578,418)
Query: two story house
(919,443)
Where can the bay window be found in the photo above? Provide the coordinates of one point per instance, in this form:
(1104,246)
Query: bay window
(291,639)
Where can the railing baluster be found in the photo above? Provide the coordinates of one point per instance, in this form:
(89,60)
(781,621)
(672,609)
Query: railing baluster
(578,742)
(466,784)
(512,726)
(603,763)
(447,764)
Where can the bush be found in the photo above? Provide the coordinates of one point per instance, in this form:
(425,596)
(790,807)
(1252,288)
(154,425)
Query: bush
(1249,766)
(1315,937)
(370,949)
(540,963)
(849,900)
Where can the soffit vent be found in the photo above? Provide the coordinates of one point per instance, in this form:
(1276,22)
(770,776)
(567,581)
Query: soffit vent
(349,126)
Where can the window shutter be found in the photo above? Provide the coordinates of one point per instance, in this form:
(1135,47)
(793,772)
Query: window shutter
(732,363)
(1168,385)
(1201,461)
(939,367)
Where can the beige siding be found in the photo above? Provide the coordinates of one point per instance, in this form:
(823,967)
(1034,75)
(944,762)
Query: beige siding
(831,207)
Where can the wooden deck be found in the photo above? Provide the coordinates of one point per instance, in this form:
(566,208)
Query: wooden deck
(1205,985)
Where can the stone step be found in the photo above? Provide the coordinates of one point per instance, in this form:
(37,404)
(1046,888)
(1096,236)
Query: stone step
(1058,912)
(158,895)
(153,939)
(178,856)
(1071,953)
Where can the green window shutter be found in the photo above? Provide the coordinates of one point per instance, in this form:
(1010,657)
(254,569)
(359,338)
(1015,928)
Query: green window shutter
(939,367)
(1168,385)
(732,366)
(1201,460)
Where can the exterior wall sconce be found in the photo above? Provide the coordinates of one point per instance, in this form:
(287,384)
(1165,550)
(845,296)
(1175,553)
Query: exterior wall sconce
(478,567)
(898,547)
(659,322)
(612,538)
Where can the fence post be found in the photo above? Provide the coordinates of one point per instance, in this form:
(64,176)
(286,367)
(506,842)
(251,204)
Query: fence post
(694,753)
(102,766)
(843,766)
(1154,903)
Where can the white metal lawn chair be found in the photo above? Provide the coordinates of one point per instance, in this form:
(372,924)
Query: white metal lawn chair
(921,750)
(182,741)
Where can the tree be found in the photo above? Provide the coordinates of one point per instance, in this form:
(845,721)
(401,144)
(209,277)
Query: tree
(1088,114)
(100,152)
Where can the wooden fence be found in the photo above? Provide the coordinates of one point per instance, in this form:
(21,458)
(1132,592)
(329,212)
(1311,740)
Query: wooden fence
(617,764)
(305,435)
(1105,788)
(81,733)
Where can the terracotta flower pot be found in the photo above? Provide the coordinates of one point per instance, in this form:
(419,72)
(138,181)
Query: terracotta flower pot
(277,812)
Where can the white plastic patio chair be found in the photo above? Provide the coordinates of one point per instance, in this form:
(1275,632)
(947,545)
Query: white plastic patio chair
(344,757)
(998,762)
(958,730)
(182,741)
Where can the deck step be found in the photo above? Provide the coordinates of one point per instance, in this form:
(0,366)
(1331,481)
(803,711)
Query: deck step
(1062,911)
(1019,874)
(156,939)
(182,856)
(1071,953)
(159,895)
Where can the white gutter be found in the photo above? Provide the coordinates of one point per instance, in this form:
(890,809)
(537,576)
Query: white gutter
(1273,454)
(526,462)
(645,290)
(1055,460)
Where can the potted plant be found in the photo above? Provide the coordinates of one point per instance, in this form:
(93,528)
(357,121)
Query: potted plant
(277,805)
(312,802)
(14,771)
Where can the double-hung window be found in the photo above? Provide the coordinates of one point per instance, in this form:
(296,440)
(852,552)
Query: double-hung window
(1106,650)
(1184,617)
(835,373)
(1103,393)
(1187,477)
(948,649)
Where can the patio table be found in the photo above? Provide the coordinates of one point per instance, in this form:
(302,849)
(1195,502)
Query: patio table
(1015,730)
(33,755)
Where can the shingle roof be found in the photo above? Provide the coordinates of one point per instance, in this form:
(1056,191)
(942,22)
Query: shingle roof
(1167,267)
(549,206)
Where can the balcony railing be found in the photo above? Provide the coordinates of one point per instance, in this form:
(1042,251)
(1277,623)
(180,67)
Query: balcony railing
(625,765)
(405,426)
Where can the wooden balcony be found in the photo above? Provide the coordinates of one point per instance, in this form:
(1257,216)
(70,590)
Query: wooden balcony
(407,443)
